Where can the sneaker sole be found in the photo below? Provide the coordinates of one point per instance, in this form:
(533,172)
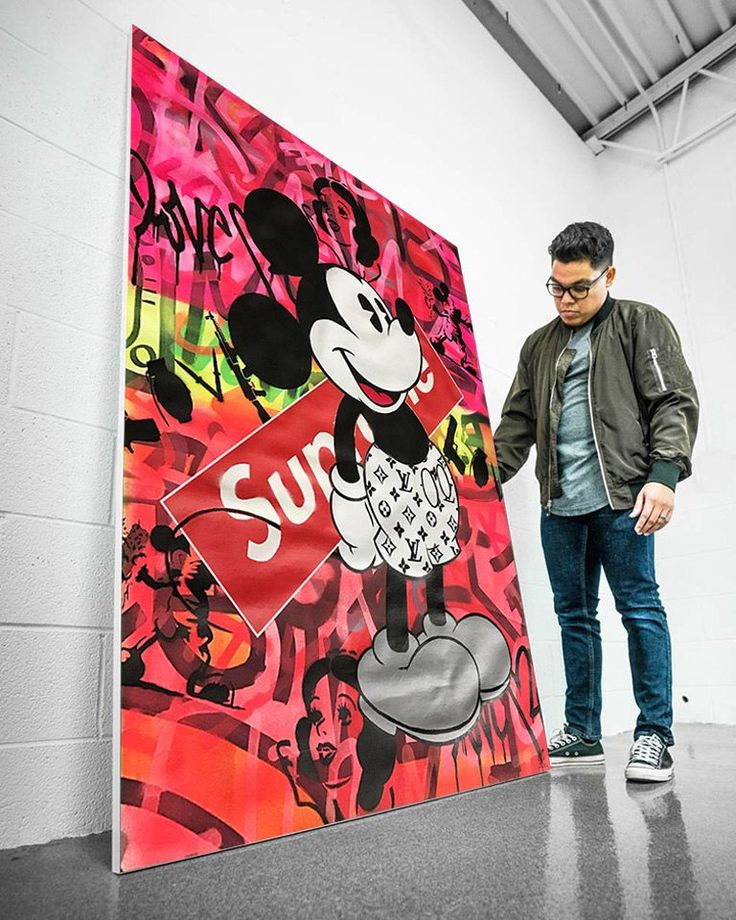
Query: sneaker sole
(648,774)
(592,760)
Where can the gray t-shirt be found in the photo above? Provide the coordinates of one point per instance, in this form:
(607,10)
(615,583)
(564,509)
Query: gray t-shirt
(581,480)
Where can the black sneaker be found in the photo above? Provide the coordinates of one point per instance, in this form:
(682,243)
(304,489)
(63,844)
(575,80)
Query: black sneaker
(649,760)
(567,748)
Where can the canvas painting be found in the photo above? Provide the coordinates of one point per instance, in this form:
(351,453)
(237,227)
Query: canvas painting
(320,617)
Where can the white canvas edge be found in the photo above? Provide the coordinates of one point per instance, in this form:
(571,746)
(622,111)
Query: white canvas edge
(118,483)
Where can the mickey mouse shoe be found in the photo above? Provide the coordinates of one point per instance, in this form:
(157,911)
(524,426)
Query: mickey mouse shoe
(431,691)
(484,641)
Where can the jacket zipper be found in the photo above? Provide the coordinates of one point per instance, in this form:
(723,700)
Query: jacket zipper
(592,426)
(660,378)
(551,396)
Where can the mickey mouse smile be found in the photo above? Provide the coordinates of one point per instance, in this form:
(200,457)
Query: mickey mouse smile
(379,397)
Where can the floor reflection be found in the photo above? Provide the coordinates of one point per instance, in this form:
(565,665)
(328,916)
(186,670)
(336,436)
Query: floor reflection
(669,858)
(609,860)
(594,879)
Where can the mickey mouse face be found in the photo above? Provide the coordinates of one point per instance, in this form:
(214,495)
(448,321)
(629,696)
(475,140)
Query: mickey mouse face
(369,354)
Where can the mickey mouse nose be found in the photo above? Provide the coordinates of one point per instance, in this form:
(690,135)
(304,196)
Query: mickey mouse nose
(404,316)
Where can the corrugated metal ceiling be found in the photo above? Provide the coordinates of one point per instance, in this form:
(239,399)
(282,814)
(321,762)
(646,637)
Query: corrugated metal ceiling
(603,63)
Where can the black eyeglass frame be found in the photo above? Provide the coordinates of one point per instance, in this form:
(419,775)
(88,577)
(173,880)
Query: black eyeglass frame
(568,290)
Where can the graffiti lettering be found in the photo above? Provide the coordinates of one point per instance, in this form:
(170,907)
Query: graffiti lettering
(170,217)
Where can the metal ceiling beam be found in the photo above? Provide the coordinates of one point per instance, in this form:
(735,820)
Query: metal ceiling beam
(676,27)
(630,39)
(548,85)
(614,45)
(676,147)
(551,69)
(720,14)
(664,87)
(584,48)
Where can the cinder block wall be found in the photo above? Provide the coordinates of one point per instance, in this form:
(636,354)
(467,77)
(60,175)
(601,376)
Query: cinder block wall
(62,139)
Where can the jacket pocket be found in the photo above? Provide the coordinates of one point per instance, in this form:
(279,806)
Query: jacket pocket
(668,369)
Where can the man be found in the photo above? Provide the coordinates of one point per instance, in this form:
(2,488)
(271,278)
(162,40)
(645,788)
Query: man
(604,393)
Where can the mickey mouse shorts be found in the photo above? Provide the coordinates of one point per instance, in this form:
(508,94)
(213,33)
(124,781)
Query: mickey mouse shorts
(415,509)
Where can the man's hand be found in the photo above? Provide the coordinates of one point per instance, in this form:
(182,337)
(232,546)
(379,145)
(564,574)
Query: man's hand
(654,506)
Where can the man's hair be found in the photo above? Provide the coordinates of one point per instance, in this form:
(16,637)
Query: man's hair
(583,240)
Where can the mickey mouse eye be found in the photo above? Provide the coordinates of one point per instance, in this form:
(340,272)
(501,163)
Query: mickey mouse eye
(381,307)
(369,308)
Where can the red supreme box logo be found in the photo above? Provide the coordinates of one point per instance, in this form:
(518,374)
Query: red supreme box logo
(275,481)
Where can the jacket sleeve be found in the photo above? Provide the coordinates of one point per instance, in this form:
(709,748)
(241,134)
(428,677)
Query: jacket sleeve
(516,431)
(665,385)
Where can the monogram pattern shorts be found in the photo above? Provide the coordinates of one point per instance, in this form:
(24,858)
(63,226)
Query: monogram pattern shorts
(415,509)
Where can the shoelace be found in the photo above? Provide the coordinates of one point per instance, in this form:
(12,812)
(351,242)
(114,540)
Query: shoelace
(561,738)
(647,748)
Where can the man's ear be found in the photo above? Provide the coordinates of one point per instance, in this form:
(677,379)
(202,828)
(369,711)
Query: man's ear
(270,341)
(281,232)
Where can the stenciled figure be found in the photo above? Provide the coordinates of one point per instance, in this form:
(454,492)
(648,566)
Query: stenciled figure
(340,214)
(189,581)
(344,760)
(448,327)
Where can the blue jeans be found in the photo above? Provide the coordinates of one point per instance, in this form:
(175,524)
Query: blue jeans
(575,549)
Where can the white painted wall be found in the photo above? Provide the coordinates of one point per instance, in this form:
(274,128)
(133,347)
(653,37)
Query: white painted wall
(683,263)
(373,85)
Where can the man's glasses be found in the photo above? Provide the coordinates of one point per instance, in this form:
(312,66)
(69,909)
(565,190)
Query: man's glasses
(577,291)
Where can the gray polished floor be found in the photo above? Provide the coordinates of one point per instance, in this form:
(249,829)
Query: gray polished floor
(579,843)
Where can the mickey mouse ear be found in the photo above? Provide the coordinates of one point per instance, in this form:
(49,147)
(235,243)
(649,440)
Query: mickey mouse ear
(404,316)
(270,341)
(281,232)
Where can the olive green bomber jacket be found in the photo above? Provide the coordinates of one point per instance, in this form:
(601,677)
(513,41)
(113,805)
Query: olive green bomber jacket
(643,402)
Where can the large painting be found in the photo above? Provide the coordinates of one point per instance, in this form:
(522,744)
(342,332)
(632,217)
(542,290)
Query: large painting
(320,615)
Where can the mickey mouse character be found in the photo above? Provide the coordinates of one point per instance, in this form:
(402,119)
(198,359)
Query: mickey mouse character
(399,508)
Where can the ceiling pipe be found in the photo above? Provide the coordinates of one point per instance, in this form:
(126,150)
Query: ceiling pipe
(712,128)
(681,110)
(717,76)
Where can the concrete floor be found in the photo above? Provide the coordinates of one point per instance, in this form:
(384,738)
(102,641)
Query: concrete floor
(579,843)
